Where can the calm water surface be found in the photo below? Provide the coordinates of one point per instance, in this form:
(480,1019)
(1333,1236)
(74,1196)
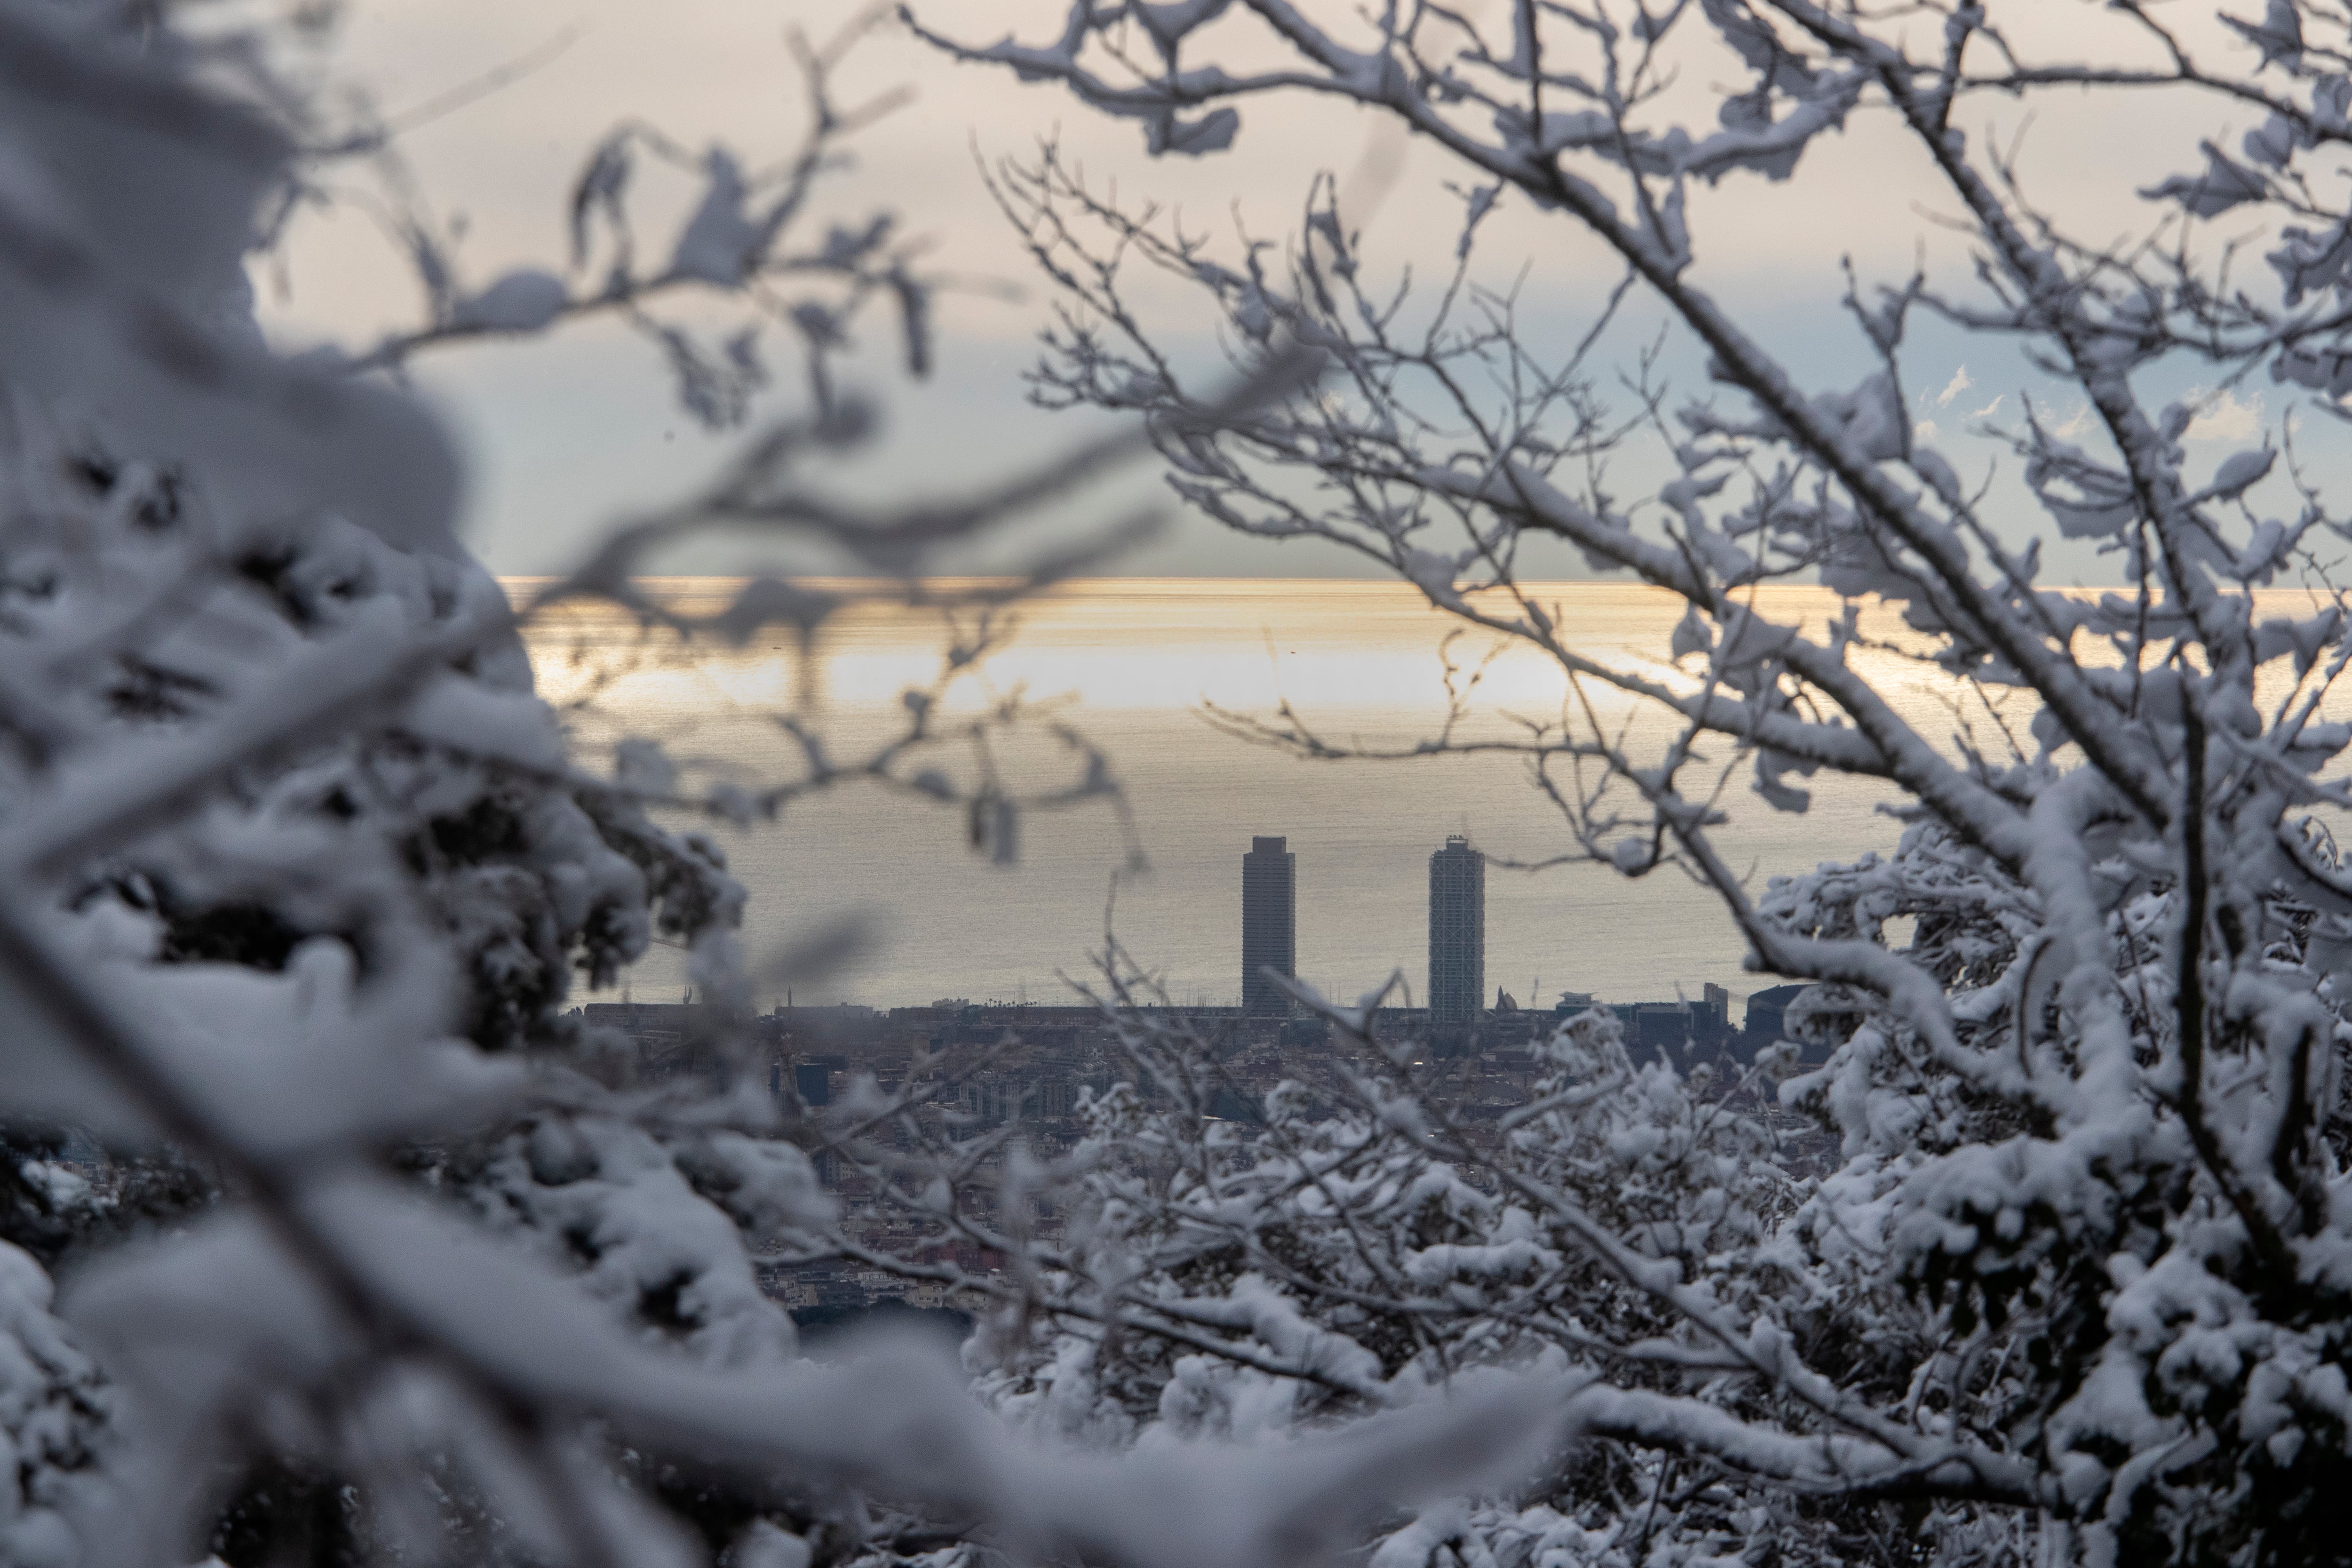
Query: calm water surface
(1132,662)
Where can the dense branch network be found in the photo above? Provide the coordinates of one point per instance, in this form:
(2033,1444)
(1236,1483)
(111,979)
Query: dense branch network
(299,869)
(2111,1031)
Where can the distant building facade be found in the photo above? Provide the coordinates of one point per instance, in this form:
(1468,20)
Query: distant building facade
(1457,934)
(1811,1023)
(1683,1032)
(1269,925)
(812,1079)
(1767,1014)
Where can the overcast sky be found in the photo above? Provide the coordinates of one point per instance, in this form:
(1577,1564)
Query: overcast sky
(564,436)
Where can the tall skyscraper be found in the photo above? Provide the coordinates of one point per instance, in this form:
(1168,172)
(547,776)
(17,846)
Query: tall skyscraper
(1269,924)
(1457,934)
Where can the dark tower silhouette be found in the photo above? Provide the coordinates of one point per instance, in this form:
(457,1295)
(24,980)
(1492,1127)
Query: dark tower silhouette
(1269,924)
(1457,934)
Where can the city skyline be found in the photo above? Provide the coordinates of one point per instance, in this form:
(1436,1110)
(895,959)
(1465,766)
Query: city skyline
(1355,659)
(1454,985)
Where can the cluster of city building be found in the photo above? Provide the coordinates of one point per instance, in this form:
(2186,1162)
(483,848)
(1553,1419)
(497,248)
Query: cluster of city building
(1456,1017)
(1457,934)
(972,1066)
(1041,1056)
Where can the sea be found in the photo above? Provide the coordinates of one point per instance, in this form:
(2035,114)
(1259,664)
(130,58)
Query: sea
(872,892)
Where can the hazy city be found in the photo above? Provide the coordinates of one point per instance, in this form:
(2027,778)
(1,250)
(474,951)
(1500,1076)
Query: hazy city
(1019,1067)
(1191,784)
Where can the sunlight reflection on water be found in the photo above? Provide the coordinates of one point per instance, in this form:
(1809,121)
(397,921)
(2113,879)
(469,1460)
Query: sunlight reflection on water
(1132,662)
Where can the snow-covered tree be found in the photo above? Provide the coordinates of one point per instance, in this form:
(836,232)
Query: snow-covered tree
(392,1261)
(2074,1285)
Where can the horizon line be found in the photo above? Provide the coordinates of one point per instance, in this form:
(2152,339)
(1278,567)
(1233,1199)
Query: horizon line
(1542,585)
